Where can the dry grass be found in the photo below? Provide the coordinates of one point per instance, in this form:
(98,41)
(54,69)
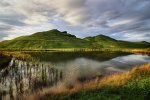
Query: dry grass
(116,79)
(120,79)
(18,55)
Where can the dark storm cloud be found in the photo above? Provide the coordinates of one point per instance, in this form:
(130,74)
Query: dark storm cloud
(118,18)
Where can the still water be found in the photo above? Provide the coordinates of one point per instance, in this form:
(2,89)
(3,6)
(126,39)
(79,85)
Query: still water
(19,77)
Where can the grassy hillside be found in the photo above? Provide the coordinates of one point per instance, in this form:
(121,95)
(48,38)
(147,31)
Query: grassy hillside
(45,40)
(56,39)
(102,41)
(132,85)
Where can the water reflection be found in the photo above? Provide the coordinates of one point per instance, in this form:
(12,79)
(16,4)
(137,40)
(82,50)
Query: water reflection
(4,61)
(69,56)
(22,77)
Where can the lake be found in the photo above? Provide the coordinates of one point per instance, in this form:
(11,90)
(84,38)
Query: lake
(47,69)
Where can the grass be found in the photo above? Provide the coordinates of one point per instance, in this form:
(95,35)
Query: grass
(15,54)
(132,85)
(45,40)
(145,51)
(102,41)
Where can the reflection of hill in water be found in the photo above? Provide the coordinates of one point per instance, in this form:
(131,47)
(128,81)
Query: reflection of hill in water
(4,61)
(67,56)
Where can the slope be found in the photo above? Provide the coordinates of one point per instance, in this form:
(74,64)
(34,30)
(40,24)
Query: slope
(45,40)
(102,41)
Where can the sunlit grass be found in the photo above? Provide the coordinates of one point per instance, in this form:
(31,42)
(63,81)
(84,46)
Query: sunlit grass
(132,50)
(17,55)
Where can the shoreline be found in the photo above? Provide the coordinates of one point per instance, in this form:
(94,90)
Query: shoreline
(132,50)
(22,54)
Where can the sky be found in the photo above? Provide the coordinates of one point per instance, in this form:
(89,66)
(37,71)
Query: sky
(121,19)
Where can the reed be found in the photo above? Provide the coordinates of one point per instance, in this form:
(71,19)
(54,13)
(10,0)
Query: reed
(132,50)
(17,55)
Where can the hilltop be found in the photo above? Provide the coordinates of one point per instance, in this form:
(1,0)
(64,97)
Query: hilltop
(45,40)
(57,39)
(102,41)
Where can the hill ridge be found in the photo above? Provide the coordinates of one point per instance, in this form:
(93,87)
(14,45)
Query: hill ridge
(57,39)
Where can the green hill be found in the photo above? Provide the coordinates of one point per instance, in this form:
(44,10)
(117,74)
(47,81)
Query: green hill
(102,41)
(56,39)
(46,40)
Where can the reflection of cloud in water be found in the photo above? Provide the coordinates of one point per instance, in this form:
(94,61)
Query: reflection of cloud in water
(132,59)
(126,62)
(82,67)
(79,68)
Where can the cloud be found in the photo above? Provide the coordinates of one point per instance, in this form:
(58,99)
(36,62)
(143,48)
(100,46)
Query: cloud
(3,35)
(5,27)
(4,3)
(118,18)
(133,36)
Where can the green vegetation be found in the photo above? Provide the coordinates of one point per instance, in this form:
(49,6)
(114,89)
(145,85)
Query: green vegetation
(102,41)
(55,39)
(17,55)
(45,40)
(133,85)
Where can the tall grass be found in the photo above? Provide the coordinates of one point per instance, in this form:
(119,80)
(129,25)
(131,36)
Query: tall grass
(132,50)
(17,55)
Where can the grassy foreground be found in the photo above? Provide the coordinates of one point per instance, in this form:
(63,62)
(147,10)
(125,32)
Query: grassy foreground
(132,85)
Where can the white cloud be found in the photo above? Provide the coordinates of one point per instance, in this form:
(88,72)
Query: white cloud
(120,22)
(135,36)
(36,19)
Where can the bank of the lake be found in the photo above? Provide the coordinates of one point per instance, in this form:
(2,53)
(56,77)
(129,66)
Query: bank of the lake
(132,85)
(11,52)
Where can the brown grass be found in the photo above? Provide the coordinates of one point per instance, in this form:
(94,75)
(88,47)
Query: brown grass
(18,55)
